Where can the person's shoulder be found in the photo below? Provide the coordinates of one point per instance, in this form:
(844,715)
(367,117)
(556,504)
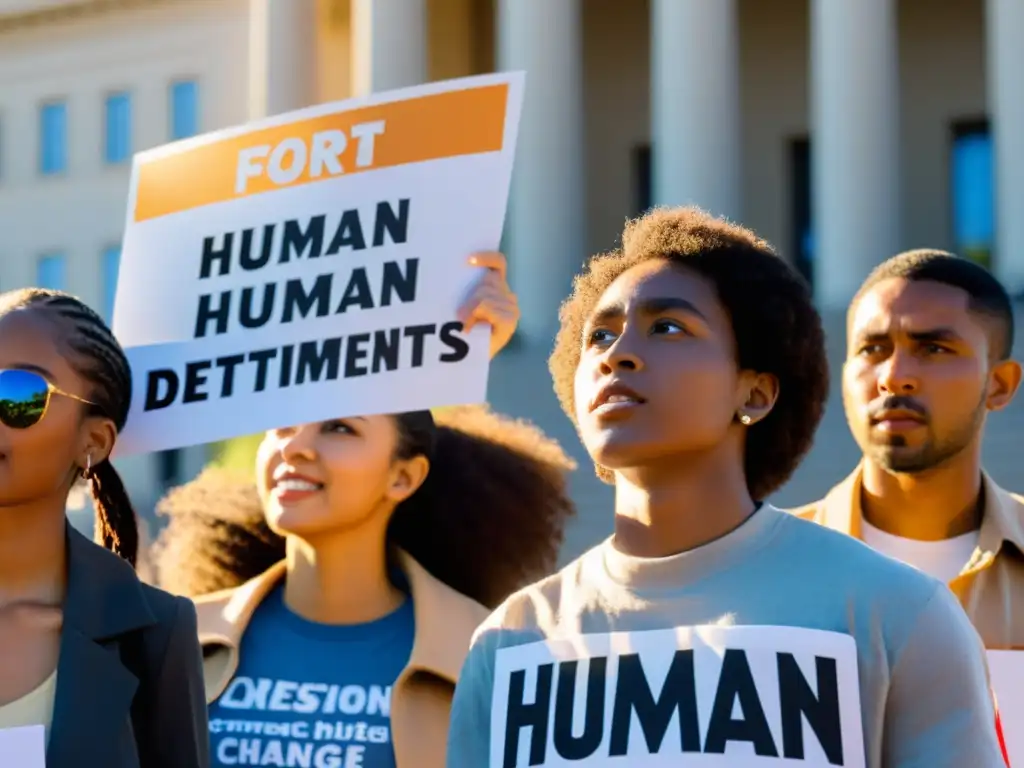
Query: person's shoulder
(439,598)
(840,495)
(223,615)
(806,532)
(169,636)
(849,559)
(537,609)
(470,612)
(1017,500)
(210,607)
(806,511)
(171,612)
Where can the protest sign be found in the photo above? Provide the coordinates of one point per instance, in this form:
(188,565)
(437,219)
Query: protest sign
(721,697)
(1006,670)
(310,265)
(272,721)
(24,747)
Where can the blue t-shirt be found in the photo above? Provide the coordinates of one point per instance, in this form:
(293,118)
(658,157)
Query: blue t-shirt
(309,695)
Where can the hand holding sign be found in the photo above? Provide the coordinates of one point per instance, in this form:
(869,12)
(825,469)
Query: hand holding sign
(491,301)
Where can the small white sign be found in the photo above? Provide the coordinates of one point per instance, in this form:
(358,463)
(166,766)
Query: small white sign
(24,747)
(721,697)
(310,265)
(1006,670)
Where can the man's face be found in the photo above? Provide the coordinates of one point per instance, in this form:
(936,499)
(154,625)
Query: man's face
(917,376)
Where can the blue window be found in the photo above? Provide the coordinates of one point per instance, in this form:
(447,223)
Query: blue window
(51,272)
(184,109)
(110,266)
(972,187)
(53,138)
(119,127)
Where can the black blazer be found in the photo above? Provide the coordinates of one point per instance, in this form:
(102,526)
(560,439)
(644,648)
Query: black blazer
(129,677)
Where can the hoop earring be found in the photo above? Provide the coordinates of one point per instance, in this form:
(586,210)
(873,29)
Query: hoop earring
(87,474)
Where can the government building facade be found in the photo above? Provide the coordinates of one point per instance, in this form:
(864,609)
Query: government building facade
(841,131)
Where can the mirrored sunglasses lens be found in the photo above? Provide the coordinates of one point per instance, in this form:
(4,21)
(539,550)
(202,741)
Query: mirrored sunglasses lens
(23,396)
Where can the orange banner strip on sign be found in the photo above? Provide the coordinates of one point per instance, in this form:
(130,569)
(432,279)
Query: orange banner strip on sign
(450,124)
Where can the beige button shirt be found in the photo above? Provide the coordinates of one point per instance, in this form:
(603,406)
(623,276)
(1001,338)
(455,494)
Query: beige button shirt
(991,585)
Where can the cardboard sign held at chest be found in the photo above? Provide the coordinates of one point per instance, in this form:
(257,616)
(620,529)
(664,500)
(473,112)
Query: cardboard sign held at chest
(736,697)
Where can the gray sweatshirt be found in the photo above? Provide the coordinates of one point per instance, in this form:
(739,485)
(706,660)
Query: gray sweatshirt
(780,644)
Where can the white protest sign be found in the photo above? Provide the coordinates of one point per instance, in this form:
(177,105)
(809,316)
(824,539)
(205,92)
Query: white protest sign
(721,697)
(24,747)
(310,265)
(1006,670)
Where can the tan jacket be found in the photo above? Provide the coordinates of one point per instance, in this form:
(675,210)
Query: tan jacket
(421,697)
(991,585)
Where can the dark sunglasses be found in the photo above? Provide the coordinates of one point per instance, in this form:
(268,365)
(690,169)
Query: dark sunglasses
(25,396)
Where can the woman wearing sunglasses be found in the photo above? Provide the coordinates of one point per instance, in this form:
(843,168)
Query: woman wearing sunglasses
(397,531)
(106,667)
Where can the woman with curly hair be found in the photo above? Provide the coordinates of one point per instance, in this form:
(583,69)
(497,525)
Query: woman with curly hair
(693,365)
(217,536)
(397,532)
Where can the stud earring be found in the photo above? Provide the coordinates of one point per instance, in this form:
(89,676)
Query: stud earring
(745,419)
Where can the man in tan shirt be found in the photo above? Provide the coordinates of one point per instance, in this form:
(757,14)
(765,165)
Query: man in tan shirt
(929,338)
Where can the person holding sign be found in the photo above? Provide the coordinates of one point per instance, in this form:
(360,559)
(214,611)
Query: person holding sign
(397,528)
(106,670)
(712,627)
(929,355)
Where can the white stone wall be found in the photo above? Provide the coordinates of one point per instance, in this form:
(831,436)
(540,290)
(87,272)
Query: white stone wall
(81,58)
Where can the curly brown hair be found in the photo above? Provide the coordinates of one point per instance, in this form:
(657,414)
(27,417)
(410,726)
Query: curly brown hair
(216,536)
(776,327)
(489,518)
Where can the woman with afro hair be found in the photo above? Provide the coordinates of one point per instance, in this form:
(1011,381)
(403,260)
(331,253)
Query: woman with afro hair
(692,362)
(392,536)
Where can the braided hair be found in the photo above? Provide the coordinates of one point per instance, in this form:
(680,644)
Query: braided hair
(98,358)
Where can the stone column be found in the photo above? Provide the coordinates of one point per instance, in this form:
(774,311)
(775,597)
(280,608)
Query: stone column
(545,227)
(854,143)
(695,105)
(1005,30)
(282,56)
(389,44)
